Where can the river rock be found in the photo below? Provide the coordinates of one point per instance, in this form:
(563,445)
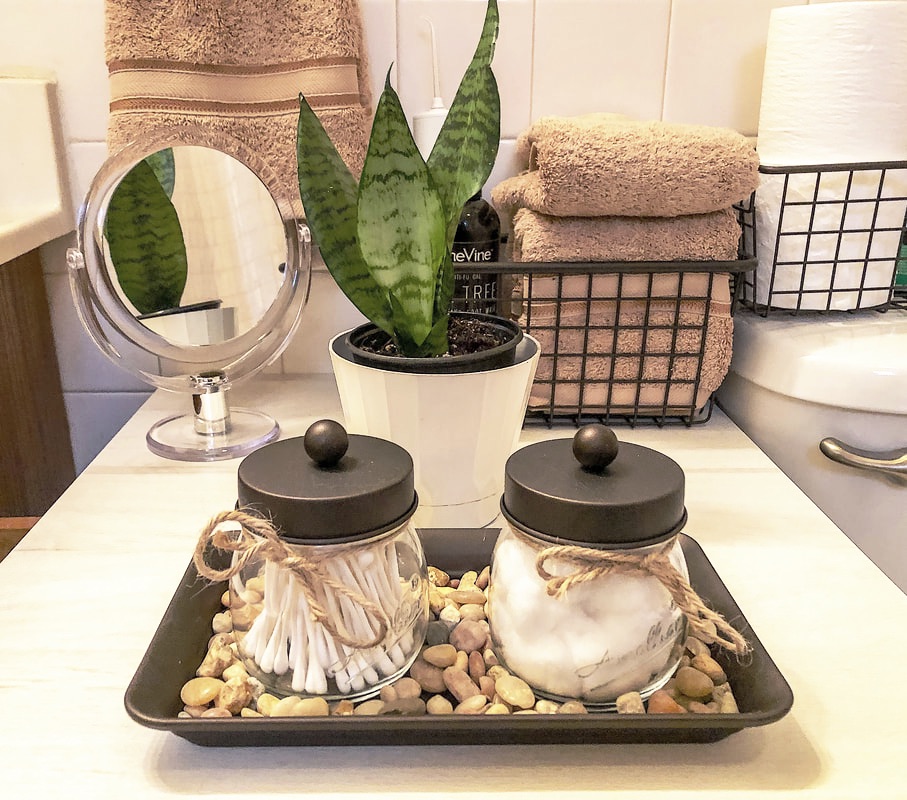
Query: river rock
(200,691)
(693,683)
(469,635)
(459,684)
(515,691)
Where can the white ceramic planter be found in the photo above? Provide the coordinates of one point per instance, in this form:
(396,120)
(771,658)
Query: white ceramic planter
(458,428)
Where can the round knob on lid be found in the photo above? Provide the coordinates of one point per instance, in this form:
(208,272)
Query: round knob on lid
(595,446)
(326,442)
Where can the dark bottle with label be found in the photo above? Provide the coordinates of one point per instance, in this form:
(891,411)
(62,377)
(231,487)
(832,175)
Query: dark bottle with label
(476,242)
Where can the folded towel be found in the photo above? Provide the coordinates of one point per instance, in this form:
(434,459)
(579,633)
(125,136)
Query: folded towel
(695,237)
(237,69)
(652,352)
(606,165)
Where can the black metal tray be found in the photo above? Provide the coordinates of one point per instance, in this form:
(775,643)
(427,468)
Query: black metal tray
(178,646)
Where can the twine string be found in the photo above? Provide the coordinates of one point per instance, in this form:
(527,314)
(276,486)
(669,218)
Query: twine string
(257,538)
(587,565)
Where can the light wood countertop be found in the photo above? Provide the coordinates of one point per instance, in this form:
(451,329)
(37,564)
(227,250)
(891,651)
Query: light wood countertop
(82,595)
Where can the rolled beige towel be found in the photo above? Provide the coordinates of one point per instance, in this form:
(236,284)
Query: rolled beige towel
(695,237)
(237,68)
(651,353)
(606,165)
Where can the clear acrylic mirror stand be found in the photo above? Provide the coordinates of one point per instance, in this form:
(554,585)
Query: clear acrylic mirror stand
(213,431)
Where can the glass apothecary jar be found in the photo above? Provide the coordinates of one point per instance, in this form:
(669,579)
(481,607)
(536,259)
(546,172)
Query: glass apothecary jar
(579,604)
(329,595)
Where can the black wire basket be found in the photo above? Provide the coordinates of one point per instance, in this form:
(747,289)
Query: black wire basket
(828,238)
(621,342)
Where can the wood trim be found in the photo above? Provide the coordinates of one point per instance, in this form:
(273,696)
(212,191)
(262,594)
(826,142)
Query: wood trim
(36,463)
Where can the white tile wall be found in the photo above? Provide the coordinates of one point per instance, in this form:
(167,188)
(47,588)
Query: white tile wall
(691,60)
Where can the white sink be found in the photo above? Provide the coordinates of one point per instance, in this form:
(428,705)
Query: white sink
(795,381)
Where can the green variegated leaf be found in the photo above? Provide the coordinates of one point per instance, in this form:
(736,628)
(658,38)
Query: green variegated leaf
(328,191)
(145,241)
(402,227)
(466,147)
(164,168)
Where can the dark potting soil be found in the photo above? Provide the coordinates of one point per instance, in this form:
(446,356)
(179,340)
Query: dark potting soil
(465,335)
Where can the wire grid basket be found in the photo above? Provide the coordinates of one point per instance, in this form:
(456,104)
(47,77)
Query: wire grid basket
(827,237)
(622,342)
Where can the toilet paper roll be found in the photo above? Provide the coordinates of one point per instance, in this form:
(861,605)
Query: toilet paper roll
(834,87)
(834,91)
(835,246)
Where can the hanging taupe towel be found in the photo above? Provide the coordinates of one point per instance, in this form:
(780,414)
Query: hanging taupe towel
(606,165)
(237,67)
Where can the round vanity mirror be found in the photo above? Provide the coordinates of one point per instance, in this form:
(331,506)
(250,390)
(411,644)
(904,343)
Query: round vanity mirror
(191,272)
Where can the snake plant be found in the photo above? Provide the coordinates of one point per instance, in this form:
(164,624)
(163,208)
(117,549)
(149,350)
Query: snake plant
(386,238)
(145,238)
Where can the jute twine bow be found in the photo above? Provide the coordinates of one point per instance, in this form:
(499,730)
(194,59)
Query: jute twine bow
(257,538)
(589,564)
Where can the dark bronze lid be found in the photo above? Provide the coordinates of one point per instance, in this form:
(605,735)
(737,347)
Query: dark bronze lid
(327,487)
(626,496)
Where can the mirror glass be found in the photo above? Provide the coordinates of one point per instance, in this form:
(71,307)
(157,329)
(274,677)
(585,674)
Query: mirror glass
(192,271)
(194,245)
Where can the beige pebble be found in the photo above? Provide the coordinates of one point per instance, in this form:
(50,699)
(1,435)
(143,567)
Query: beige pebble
(440,655)
(249,712)
(450,614)
(438,576)
(438,704)
(693,683)
(696,707)
(216,660)
(251,597)
(222,622)
(243,617)
(660,702)
(708,665)
(462,661)
(388,694)
(225,598)
(285,707)
(486,686)
(472,611)
(724,696)
(404,707)
(472,705)
(525,711)
(428,676)
(491,660)
(696,647)
(200,691)
(235,670)
(547,706)
(475,665)
(194,711)
(630,703)
(459,684)
(256,584)
(220,640)
(184,715)
(497,708)
(265,703)
(407,688)
(468,580)
(471,596)
(216,712)
(496,671)
(483,578)
(343,708)
(469,635)
(436,601)
(370,708)
(515,691)
(312,707)
(572,707)
(234,695)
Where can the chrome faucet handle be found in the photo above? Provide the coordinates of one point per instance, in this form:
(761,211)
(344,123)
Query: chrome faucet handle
(890,462)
